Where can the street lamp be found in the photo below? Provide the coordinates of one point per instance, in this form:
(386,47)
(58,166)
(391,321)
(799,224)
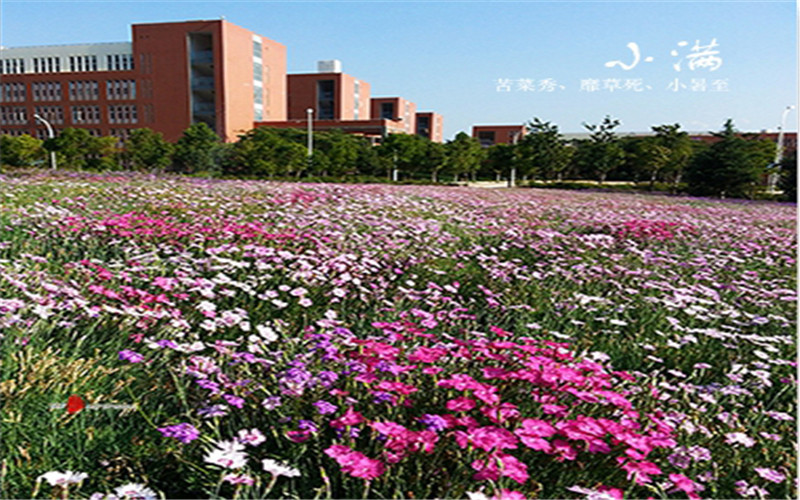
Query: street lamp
(310,114)
(50,135)
(773,178)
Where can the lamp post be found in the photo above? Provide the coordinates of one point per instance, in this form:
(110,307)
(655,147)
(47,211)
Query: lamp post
(51,135)
(773,178)
(512,179)
(310,114)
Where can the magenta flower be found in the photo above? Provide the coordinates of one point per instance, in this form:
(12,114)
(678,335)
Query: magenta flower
(183,432)
(130,356)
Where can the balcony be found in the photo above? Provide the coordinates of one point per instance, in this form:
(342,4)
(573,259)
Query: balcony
(201,57)
(203,109)
(202,83)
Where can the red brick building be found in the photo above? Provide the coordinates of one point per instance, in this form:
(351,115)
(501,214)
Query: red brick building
(789,139)
(429,124)
(398,109)
(169,76)
(489,135)
(332,95)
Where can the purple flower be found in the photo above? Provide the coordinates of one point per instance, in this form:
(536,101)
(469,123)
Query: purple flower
(325,408)
(234,400)
(308,425)
(213,411)
(327,378)
(271,402)
(183,432)
(131,356)
(208,384)
(435,423)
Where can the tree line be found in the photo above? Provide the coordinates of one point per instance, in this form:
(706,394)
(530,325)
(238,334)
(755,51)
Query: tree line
(735,165)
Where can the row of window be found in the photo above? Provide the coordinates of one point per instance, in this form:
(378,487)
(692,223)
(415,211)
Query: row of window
(12,66)
(86,90)
(114,62)
(122,134)
(79,115)
(12,92)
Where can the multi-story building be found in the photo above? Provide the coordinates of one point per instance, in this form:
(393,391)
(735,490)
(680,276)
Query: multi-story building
(398,109)
(489,135)
(332,95)
(337,100)
(169,76)
(429,124)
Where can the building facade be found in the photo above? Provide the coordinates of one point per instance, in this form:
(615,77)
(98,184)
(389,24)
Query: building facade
(169,76)
(429,125)
(398,109)
(332,95)
(489,135)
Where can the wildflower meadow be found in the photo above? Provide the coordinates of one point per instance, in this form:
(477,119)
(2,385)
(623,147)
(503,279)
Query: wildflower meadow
(167,337)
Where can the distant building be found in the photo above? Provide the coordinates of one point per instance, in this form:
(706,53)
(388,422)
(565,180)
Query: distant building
(489,135)
(429,124)
(395,108)
(169,76)
(332,95)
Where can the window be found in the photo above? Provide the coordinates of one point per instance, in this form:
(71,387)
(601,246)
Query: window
(84,90)
(325,99)
(387,111)
(53,114)
(424,126)
(486,138)
(13,115)
(12,92)
(85,114)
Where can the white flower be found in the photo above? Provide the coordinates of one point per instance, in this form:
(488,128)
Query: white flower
(135,491)
(253,437)
(55,478)
(228,454)
(267,333)
(279,469)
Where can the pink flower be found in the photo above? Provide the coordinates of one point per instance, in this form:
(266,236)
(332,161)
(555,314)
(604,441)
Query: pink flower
(492,438)
(349,418)
(354,463)
(460,404)
(640,471)
(740,438)
(563,450)
(505,494)
(770,474)
(686,485)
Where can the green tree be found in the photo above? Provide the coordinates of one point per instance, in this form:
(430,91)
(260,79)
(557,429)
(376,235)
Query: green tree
(103,154)
(601,154)
(264,153)
(645,158)
(680,149)
(499,160)
(72,147)
(198,150)
(146,150)
(405,152)
(733,166)
(788,177)
(20,151)
(433,158)
(543,152)
(464,155)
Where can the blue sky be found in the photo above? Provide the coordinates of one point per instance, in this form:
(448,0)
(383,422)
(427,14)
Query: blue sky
(492,62)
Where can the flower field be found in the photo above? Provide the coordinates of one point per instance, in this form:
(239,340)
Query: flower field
(186,338)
